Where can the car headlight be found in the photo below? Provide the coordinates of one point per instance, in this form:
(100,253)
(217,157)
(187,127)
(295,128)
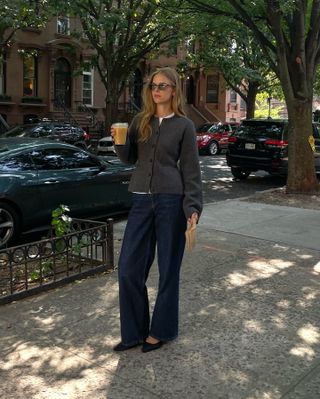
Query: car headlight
(205,137)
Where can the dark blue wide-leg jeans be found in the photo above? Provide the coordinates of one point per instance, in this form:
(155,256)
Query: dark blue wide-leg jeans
(154,220)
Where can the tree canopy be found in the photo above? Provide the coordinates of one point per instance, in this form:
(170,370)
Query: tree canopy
(122,33)
(19,14)
(288,33)
(233,49)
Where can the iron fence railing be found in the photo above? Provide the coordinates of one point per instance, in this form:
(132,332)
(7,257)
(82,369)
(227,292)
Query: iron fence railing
(59,104)
(31,268)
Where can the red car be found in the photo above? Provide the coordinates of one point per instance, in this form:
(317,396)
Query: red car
(213,137)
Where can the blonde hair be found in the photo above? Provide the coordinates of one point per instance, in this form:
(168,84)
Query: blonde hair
(149,107)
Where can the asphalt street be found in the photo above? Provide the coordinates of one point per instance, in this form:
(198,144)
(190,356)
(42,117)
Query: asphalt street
(219,185)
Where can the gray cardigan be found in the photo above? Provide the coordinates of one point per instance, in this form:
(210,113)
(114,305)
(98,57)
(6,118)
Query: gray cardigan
(167,163)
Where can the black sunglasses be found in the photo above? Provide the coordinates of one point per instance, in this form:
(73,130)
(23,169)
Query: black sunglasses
(160,86)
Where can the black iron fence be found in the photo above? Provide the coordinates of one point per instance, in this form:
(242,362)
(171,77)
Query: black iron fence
(31,268)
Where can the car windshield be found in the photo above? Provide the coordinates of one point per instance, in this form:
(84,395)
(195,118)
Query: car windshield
(18,131)
(27,131)
(210,128)
(261,129)
(204,128)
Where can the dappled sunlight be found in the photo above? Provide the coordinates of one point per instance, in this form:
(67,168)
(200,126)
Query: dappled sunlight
(217,180)
(303,352)
(266,394)
(259,268)
(309,296)
(283,304)
(27,352)
(316,269)
(254,325)
(56,372)
(304,256)
(218,166)
(261,291)
(49,320)
(280,321)
(280,318)
(231,375)
(269,266)
(309,334)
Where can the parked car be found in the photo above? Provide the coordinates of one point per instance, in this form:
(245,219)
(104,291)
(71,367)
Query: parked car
(37,175)
(105,146)
(262,144)
(213,137)
(59,131)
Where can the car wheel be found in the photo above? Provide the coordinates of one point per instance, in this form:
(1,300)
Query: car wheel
(239,173)
(213,148)
(9,225)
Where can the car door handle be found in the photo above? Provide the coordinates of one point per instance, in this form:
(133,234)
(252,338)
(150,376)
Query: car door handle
(51,181)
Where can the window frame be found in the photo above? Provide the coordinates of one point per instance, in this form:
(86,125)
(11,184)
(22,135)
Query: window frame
(33,78)
(212,94)
(233,96)
(61,27)
(91,74)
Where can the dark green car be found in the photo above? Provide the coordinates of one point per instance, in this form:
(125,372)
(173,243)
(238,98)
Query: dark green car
(36,176)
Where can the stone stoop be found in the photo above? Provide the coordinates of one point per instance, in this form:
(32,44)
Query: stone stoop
(195,115)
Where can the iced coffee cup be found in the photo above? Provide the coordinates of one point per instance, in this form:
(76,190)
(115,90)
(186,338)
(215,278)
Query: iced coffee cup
(120,133)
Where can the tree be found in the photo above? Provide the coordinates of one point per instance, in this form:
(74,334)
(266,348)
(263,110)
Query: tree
(235,52)
(122,33)
(19,14)
(293,53)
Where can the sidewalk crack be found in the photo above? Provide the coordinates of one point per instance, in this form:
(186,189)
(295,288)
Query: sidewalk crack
(304,377)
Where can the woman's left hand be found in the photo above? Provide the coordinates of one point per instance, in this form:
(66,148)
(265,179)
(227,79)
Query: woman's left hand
(193,219)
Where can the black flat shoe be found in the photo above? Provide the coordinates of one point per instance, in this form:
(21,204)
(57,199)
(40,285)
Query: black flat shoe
(120,347)
(147,347)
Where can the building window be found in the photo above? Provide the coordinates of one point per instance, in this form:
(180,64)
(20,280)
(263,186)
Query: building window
(213,89)
(87,88)
(30,70)
(63,25)
(233,96)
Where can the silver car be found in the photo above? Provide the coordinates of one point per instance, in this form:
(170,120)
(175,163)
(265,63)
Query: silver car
(105,146)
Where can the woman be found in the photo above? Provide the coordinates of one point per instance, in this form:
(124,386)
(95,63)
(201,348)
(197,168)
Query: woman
(166,186)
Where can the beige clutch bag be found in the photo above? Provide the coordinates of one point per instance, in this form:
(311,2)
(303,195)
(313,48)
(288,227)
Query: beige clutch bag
(191,236)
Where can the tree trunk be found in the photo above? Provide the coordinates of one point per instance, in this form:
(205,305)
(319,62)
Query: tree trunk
(112,104)
(251,99)
(301,170)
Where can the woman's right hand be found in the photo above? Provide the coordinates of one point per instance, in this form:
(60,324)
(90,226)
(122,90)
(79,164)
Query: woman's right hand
(112,133)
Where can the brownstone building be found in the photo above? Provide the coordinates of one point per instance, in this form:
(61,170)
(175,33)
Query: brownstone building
(206,95)
(39,80)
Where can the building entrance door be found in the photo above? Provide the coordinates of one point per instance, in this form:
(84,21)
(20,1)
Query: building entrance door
(190,90)
(62,82)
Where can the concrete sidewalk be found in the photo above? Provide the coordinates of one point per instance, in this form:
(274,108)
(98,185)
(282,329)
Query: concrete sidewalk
(249,322)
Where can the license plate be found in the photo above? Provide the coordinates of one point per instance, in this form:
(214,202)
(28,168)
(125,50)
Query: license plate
(250,146)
